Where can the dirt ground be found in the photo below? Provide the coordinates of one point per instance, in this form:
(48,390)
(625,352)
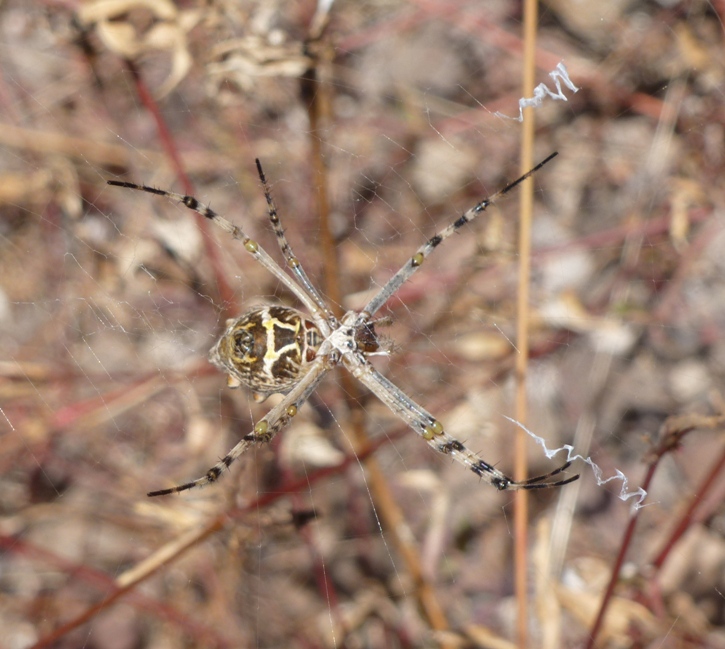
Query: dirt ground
(377,124)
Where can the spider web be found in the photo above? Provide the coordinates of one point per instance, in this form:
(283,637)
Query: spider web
(110,301)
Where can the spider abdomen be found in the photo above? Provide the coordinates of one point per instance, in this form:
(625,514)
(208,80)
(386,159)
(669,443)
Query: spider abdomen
(266,349)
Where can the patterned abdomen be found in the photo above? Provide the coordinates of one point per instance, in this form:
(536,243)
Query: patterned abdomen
(266,349)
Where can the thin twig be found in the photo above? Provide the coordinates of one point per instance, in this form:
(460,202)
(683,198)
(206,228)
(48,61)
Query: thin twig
(521,510)
(316,95)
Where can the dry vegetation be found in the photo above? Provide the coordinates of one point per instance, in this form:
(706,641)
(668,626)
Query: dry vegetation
(111,299)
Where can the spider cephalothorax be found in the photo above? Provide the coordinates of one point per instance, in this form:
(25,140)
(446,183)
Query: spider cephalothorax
(279,349)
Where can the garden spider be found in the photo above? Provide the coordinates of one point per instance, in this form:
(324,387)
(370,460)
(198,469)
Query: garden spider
(279,349)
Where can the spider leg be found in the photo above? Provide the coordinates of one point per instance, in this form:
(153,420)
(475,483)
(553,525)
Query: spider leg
(293,263)
(415,262)
(252,247)
(546,476)
(432,431)
(264,430)
(539,482)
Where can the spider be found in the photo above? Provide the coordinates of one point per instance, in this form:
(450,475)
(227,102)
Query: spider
(280,349)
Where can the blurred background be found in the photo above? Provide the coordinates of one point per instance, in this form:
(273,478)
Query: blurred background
(377,124)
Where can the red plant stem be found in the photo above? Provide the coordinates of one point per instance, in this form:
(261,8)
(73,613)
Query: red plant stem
(169,145)
(626,540)
(199,631)
(689,514)
(113,592)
